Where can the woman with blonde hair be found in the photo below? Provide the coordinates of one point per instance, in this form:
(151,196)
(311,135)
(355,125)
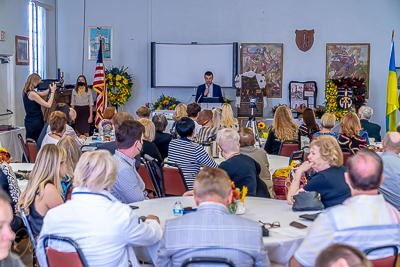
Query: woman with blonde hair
(73,154)
(104,228)
(149,147)
(283,128)
(180,112)
(326,160)
(44,190)
(327,122)
(33,104)
(227,119)
(349,137)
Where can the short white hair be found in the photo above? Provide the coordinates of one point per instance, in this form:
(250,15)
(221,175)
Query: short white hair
(228,139)
(365,112)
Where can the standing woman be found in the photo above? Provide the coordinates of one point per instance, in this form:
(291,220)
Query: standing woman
(82,102)
(32,104)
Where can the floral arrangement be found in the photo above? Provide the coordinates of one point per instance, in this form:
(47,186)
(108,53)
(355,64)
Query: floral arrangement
(4,156)
(262,130)
(275,107)
(226,100)
(119,86)
(331,100)
(236,196)
(319,111)
(165,103)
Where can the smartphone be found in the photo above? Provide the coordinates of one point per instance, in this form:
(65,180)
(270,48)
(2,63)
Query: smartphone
(298,225)
(310,217)
(134,207)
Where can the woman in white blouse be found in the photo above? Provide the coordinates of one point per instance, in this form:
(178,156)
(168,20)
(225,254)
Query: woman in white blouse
(58,124)
(104,228)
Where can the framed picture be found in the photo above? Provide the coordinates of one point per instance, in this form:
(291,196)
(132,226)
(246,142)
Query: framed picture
(95,33)
(21,50)
(348,60)
(264,59)
(398,77)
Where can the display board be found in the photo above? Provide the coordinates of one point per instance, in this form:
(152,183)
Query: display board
(184,65)
(302,94)
(250,89)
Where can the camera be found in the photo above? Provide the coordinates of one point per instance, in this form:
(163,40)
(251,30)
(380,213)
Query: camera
(253,99)
(45,84)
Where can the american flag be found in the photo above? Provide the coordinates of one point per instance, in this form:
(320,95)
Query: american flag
(99,85)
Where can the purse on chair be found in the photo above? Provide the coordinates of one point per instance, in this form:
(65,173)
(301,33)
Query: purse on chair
(307,201)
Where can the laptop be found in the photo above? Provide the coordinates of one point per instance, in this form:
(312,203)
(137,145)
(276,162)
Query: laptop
(210,99)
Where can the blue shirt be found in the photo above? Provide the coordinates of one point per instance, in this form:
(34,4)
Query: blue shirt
(390,188)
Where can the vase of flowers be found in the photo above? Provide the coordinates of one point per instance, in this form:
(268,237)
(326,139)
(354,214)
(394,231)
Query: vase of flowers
(237,198)
(4,156)
(165,103)
(262,130)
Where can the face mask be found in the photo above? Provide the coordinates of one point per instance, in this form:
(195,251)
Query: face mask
(81,84)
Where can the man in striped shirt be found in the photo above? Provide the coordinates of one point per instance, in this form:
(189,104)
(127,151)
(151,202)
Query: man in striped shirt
(390,188)
(187,154)
(364,221)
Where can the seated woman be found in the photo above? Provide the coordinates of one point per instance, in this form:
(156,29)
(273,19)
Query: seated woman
(206,120)
(44,190)
(105,125)
(247,141)
(283,128)
(73,154)
(179,113)
(58,122)
(104,228)
(187,154)
(349,133)
(227,119)
(327,122)
(326,160)
(309,125)
(149,147)
(242,169)
(161,139)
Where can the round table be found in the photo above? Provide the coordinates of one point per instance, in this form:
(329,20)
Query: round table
(22,167)
(281,244)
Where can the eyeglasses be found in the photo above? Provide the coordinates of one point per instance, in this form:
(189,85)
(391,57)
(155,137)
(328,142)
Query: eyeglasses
(270,225)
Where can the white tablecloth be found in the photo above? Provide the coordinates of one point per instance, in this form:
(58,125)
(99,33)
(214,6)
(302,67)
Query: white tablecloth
(22,167)
(9,140)
(280,247)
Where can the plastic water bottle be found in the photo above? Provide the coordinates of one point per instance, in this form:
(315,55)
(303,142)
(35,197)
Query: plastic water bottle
(112,136)
(178,209)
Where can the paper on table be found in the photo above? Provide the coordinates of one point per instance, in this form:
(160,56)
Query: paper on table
(289,231)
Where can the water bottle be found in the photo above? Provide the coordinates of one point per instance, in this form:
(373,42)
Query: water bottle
(112,136)
(178,209)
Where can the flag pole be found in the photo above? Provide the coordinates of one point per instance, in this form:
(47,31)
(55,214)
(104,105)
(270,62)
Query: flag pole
(392,35)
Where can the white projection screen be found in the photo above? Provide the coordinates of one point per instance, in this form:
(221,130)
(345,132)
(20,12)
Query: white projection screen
(184,65)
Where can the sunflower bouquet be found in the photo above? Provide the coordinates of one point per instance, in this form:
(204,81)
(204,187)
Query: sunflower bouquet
(331,100)
(4,156)
(237,196)
(165,103)
(119,86)
(262,130)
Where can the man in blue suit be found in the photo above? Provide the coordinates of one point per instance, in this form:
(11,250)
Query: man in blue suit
(211,231)
(209,89)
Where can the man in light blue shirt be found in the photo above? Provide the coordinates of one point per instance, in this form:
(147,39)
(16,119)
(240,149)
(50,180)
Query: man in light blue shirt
(390,188)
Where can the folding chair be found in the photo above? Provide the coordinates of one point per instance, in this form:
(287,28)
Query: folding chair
(207,260)
(346,155)
(174,181)
(384,262)
(156,174)
(32,149)
(144,174)
(24,148)
(288,147)
(297,155)
(32,236)
(63,259)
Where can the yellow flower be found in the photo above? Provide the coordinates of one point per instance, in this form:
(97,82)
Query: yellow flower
(261,125)
(109,76)
(125,81)
(332,100)
(118,77)
(166,102)
(111,83)
(2,149)
(170,108)
(117,83)
(159,107)
(174,105)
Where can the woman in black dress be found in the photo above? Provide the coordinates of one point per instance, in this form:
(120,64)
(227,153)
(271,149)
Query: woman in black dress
(32,104)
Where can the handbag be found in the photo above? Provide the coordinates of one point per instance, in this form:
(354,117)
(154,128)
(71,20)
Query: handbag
(307,201)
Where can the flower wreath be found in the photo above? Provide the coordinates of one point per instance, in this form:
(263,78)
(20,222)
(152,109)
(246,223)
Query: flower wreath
(119,84)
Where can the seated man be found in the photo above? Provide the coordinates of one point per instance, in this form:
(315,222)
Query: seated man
(363,221)
(390,188)
(129,186)
(373,129)
(112,146)
(104,228)
(339,255)
(242,169)
(143,113)
(209,231)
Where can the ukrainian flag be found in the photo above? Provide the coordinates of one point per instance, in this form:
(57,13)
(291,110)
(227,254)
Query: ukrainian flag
(392,101)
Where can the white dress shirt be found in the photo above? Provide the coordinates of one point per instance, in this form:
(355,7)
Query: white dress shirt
(104,228)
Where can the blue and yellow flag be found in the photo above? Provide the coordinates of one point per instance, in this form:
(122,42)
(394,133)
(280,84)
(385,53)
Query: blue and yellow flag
(392,100)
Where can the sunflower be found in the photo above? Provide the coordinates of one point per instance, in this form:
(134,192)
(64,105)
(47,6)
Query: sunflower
(261,125)
(332,100)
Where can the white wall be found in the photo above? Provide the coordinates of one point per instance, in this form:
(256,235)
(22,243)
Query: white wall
(136,23)
(14,21)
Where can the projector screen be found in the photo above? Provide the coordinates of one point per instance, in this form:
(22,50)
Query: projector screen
(184,65)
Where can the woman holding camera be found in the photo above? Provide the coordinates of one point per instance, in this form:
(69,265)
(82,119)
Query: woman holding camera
(82,102)
(33,104)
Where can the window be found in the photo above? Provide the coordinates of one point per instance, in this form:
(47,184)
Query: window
(37,37)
